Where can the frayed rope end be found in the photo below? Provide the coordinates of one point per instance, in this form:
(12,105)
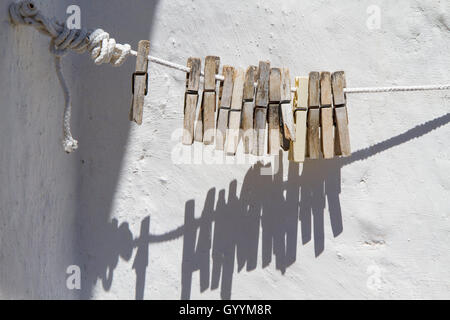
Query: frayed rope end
(70,145)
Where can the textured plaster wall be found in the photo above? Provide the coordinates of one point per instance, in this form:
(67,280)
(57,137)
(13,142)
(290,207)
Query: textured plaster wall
(139,225)
(38,195)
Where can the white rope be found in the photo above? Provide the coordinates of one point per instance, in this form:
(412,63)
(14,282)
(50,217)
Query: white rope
(104,49)
(174,65)
(397,89)
(220,77)
(69,143)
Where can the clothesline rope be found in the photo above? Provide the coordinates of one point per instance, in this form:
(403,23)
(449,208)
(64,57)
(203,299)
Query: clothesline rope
(104,49)
(219,77)
(397,88)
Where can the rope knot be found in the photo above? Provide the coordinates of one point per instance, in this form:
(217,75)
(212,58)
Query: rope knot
(102,48)
(105,49)
(23,12)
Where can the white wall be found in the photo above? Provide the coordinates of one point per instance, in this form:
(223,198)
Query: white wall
(37,179)
(375,225)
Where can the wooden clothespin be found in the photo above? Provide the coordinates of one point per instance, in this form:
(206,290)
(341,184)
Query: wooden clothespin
(313,135)
(248,107)
(261,103)
(274,111)
(342,136)
(287,116)
(225,94)
(234,119)
(140,82)
(191,99)
(297,151)
(326,115)
(204,130)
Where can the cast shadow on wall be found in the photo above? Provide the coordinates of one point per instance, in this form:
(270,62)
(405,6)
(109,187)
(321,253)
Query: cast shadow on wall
(226,236)
(103,130)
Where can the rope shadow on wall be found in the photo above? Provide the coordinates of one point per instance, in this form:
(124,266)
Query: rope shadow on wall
(275,209)
(227,234)
(103,127)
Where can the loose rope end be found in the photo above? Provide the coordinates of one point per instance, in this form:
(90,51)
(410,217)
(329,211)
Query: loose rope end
(70,145)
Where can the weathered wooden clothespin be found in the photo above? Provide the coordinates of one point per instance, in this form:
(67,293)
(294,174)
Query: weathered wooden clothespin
(297,151)
(313,134)
(287,116)
(273,117)
(205,127)
(225,94)
(234,119)
(191,99)
(261,103)
(342,136)
(326,115)
(140,82)
(248,108)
